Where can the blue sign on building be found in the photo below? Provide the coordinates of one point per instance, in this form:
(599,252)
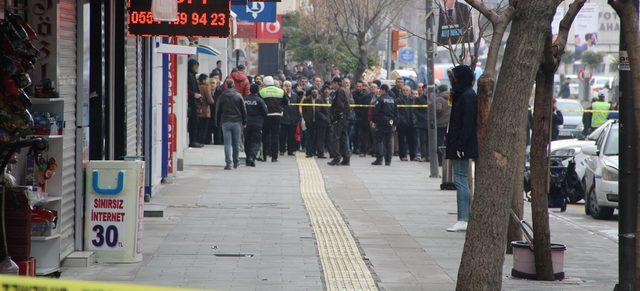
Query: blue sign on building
(406,55)
(255,11)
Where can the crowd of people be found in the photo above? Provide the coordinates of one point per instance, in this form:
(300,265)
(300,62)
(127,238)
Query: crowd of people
(297,112)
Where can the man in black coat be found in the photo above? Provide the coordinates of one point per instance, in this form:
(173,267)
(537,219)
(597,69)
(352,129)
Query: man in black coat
(421,116)
(556,120)
(406,129)
(192,98)
(339,142)
(462,138)
(363,128)
(384,116)
(256,113)
(323,123)
(231,116)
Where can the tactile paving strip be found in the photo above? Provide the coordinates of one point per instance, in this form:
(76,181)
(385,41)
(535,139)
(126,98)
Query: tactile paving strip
(342,263)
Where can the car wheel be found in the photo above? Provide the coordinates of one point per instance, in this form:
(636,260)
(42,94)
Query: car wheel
(596,211)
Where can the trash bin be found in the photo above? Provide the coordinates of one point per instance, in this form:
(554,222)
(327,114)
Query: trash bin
(447,171)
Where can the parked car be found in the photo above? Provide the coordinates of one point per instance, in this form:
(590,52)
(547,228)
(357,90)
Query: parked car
(601,174)
(572,112)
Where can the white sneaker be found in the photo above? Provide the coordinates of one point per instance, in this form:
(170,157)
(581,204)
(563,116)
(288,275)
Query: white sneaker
(460,226)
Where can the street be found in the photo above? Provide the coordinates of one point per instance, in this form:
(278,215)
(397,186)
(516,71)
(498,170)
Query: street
(251,229)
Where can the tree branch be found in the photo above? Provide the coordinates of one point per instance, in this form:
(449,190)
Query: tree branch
(484,10)
(560,43)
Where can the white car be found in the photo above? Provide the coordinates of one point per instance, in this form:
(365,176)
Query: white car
(601,175)
(572,111)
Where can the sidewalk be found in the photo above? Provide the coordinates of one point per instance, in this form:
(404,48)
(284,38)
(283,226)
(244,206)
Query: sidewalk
(248,229)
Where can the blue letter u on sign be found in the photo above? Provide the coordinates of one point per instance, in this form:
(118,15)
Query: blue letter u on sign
(105,191)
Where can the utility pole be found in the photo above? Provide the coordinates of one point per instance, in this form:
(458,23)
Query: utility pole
(628,187)
(431,89)
(389,51)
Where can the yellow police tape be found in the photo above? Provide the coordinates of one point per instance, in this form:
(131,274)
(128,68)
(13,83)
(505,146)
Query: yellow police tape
(20,283)
(585,110)
(353,105)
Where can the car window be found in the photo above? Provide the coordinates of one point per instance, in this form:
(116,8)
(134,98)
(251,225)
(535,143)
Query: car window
(570,108)
(595,135)
(612,148)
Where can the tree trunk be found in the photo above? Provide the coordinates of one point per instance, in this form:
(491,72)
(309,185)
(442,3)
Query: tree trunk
(502,148)
(540,173)
(363,59)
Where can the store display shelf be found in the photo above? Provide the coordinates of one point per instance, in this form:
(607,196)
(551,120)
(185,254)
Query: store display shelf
(52,136)
(47,271)
(45,238)
(46,100)
(52,199)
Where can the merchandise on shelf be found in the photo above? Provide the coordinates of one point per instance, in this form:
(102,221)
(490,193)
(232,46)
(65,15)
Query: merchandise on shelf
(43,221)
(46,123)
(45,89)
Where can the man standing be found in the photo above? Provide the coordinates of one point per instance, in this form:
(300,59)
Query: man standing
(406,129)
(396,91)
(309,115)
(565,89)
(600,112)
(363,129)
(384,115)
(289,124)
(556,120)
(462,138)
(274,99)
(339,143)
(193,98)
(256,113)
(231,115)
(218,69)
(443,112)
(323,123)
(421,115)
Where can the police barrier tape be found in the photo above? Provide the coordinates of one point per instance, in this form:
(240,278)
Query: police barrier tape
(353,105)
(21,283)
(426,106)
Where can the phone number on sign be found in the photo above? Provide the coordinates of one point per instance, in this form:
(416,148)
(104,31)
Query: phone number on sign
(204,19)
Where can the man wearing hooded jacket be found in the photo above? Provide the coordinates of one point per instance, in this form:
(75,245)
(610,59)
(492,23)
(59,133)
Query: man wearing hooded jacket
(462,137)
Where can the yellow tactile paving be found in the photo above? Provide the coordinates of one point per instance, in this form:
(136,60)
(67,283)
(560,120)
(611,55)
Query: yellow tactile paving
(342,263)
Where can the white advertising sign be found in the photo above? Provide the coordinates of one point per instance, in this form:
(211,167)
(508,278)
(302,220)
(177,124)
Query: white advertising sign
(114,210)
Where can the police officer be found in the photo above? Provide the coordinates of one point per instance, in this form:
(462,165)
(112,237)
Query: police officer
(256,113)
(274,98)
(600,112)
(384,116)
(339,142)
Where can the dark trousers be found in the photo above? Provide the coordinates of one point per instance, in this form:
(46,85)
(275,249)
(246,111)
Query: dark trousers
(310,139)
(320,138)
(406,140)
(424,142)
(339,142)
(203,124)
(364,137)
(271,136)
(288,138)
(252,140)
(192,128)
(384,138)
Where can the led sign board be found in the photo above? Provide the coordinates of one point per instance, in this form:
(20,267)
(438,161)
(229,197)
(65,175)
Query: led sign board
(204,18)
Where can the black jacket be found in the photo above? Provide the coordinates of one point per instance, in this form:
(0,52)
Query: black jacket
(463,132)
(556,120)
(322,113)
(395,93)
(340,106)
(420,114)
(362,113)
(309,112)
(256,110)
(291,115)
(230,108)
(405,114)
(385,113)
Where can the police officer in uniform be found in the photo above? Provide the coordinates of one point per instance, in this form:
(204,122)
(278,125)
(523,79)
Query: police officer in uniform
(256,113)
(339,142)
(384,116)
(274,98)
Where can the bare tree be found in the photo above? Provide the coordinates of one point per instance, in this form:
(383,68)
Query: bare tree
(354,20)
(503,147)
(542,121)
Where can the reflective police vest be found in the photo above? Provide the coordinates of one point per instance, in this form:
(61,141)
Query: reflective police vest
(600,114)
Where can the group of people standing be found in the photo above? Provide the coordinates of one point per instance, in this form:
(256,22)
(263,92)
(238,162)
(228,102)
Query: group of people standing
(287,115)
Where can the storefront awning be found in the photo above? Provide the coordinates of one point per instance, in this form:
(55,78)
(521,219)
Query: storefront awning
(207,50)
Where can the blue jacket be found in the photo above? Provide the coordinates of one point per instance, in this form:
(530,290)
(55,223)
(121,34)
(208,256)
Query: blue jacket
(463,129)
